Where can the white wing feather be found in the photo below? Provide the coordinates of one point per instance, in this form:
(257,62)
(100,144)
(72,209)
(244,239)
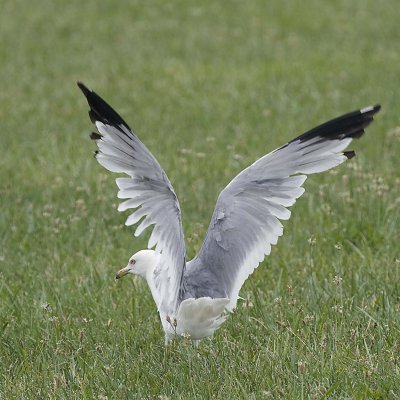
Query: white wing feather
(246,219)
(148,191)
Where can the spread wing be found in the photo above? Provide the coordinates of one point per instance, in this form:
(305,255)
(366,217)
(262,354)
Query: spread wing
(246,219)
(147,189)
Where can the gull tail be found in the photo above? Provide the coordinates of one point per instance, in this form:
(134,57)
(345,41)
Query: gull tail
(199,318)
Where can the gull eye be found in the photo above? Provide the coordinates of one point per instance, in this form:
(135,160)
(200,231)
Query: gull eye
(132,262)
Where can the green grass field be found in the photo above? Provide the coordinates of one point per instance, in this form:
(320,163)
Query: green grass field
(209,87)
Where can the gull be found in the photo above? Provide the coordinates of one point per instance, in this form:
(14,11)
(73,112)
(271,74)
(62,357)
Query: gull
(195,297)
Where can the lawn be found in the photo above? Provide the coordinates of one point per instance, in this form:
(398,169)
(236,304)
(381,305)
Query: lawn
(209,87)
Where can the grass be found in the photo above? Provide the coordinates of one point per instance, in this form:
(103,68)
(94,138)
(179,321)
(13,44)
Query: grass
(209,87)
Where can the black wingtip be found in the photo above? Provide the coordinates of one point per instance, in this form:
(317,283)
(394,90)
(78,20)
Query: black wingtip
(349,154)
(351,125)
(100,110)
(95,136)
(370,110)
(85,90)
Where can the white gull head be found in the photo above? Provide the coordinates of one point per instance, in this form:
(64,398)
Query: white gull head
(141,263)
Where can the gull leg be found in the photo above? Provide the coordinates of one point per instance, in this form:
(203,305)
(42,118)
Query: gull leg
(168,340)
(196,343)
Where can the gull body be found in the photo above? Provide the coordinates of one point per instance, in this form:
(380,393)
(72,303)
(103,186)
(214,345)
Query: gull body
(194,298)
(197,317)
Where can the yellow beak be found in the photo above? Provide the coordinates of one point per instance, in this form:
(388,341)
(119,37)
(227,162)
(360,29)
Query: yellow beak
(122,272)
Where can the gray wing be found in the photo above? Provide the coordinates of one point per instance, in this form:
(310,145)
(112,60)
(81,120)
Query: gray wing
(147,189)
(246,219)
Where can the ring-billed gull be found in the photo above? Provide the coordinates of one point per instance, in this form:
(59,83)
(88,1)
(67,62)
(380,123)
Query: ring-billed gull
(193,297)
